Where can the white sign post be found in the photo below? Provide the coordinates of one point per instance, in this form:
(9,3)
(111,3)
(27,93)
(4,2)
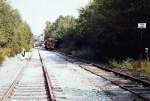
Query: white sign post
(146,52)
(142,25)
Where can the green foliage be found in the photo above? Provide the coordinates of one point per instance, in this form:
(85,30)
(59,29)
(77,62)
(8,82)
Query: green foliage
(15,34)
(142,66)
(126,64)
(2,56)
(146,67)
(60,27)
(107,26)
(132,65)
(114,64)
(85,53)
(110,26)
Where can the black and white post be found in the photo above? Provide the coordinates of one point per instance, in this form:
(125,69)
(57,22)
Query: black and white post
(141,26)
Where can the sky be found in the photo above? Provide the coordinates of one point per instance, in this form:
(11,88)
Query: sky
(37,12)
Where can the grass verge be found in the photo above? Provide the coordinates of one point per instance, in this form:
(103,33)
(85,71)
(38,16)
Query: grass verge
(133,66)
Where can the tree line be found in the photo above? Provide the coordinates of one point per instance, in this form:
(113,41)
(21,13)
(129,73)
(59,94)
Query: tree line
(15,34)
(104,29)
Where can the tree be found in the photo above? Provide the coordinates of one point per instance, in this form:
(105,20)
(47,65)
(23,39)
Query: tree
(59,28)
(107,28)
(15,34)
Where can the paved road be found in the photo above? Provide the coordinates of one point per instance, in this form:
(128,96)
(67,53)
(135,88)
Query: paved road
(72,83)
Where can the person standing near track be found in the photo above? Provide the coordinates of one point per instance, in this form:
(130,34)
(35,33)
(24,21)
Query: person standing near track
(23,52)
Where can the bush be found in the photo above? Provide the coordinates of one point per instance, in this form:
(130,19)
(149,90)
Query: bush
(126,64)
(146,66)
(28,49)
(2,56)
(132,65)
(86,53)
(114,64)
(10,52)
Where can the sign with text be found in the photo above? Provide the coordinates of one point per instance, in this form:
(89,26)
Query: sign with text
(142,25)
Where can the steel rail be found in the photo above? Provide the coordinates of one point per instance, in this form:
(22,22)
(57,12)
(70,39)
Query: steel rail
(122,75)
(145,99)
(15,81)
(47,80)
(143,82)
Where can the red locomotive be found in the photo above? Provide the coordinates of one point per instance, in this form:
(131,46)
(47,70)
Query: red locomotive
(50,43)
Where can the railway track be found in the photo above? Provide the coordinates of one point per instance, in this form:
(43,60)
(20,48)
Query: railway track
(140,88)
(6,88)
(31,84)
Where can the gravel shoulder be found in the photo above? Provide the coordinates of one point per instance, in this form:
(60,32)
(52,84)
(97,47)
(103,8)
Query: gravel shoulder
(10,67)
(72,83)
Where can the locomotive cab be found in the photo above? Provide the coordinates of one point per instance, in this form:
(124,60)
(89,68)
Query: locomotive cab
(50,43)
